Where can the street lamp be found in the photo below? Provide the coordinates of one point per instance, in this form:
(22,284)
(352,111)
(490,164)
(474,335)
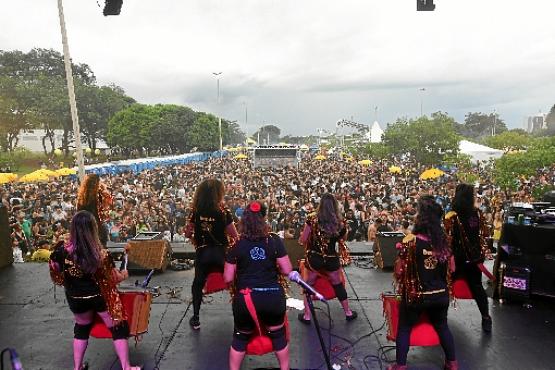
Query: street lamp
(421,100)
(71,93)
(217,74)
(246,123)
(494,122)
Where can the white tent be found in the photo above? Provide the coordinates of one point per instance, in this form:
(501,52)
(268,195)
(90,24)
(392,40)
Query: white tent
(375,133)
(479,152)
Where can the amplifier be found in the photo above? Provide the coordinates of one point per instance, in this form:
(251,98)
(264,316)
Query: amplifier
(148,235)
(385,251)
(6,251)
(514,282)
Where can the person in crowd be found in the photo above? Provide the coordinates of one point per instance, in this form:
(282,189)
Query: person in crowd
(94,196)
(467,231)
(324,236)
(422,274)
(255,264)
(89,277)
(210,227)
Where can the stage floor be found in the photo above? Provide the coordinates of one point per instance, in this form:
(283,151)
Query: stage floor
(36,321)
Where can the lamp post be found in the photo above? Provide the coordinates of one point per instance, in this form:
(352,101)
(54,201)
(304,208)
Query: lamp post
(246,123)
(494,122)
(421,100)
(217,74)
(71,93)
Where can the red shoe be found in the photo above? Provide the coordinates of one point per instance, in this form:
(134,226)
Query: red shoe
(451,365)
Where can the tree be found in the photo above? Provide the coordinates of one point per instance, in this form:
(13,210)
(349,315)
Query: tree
(268,131)
(231,133)
(130,129)
(425,140)
(477,125)
(204,134)
(510,167)
(510,140)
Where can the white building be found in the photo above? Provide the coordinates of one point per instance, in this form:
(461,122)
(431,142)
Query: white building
(32,141)
(375,133)
(537,122)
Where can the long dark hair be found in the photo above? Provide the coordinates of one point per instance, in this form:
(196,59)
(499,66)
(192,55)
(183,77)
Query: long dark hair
(84,238)
(329,217)
(87,196)
(208,196)
(429,223)
(463,201)
(253,222)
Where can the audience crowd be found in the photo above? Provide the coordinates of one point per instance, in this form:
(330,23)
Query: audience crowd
(373,199)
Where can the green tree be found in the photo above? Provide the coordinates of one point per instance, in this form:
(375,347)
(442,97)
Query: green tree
(426,139)
(130,129)
(509,140)
(268,131)
(204,134)
(477,125)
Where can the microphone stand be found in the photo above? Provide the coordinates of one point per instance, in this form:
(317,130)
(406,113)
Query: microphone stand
(317,325)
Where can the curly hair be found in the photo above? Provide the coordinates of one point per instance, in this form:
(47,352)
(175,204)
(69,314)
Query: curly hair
(208,197)
(87,196)
(429,222)
(329,217)
(253,222)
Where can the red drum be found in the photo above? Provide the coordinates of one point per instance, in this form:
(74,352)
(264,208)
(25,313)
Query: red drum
(214,283)
(322,284)
(259,345)
(422,334)
(136,304)
(461,289)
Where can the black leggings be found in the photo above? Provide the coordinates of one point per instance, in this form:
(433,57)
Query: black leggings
(473,276)
(408,317)
(207,260)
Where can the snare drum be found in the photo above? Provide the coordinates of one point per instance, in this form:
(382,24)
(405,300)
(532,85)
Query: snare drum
(136,304)
(322,284)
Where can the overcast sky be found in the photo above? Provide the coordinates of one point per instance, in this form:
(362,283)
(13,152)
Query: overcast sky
(304,64)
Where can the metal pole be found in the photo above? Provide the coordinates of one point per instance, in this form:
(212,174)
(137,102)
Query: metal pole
(494,122)
(71,93)
(246,124)
(422,101)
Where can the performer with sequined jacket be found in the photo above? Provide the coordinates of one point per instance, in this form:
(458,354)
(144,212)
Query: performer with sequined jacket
(467,232)
(87,273)
(422,277)
(324,237)
(212,230)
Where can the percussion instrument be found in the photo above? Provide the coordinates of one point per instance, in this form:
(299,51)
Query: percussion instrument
(322,284)
(136,303)
(422,334)
(214,283)
(461,290)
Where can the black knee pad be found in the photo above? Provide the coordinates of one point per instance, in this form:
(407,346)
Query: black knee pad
(82,331)
(340,292)
(120,331)
(240,341)
(278,338)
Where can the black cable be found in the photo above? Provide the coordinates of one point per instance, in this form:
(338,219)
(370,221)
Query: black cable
(171,338)
(2,357)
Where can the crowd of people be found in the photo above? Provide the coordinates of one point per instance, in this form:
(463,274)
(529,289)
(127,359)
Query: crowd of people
(372,198)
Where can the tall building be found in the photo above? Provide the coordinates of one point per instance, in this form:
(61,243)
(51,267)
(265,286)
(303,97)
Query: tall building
(536,122)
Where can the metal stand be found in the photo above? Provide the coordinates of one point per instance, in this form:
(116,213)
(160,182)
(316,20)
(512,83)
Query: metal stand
(315,319)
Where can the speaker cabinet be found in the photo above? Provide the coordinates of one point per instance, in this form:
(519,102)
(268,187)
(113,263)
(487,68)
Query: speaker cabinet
(385,251)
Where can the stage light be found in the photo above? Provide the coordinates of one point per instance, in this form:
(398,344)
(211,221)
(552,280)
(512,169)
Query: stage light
(425,5)
(112,7)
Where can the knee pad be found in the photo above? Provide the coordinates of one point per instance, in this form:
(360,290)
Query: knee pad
(240,341)
(82,331)
(120,331)
(278,338)
(340,292)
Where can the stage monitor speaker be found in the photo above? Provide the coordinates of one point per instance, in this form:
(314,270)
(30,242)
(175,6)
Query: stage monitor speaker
(6,252)
(515,282)
(295,251)
(385,251)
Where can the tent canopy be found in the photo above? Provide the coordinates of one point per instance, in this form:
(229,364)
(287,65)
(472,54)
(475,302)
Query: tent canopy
(479,152)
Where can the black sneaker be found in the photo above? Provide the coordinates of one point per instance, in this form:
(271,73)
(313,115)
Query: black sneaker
(353,316)
(194,322)
(302,319)
(486,324)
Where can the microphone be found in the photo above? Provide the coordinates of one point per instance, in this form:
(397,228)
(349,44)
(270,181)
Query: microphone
(296,277)
(14,358)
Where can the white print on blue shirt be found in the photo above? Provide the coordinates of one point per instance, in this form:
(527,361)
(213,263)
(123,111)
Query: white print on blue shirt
(258,254)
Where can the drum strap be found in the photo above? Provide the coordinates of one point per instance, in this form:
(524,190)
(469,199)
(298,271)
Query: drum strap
(250,306)
(486,272)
